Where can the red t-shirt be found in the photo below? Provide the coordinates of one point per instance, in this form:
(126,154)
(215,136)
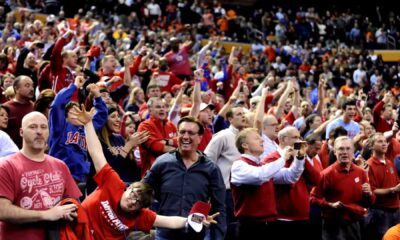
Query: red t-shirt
(34,186)
(179,62)
(107,220)
(166,80)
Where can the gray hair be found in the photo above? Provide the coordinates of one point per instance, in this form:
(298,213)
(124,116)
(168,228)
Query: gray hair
(284,132)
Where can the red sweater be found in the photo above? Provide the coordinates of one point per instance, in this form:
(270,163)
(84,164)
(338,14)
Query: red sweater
(254,202)
(153,147)
(381,124)
(293,200)
(383,176)
(339,185)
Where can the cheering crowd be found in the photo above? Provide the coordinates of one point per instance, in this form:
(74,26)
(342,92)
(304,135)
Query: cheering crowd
(152,121)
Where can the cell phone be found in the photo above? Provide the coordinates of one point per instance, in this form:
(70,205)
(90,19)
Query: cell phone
(297,145)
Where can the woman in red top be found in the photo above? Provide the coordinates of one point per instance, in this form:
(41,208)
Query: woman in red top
(114,210)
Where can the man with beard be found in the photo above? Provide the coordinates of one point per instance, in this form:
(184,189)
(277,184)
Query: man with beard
(384,213)
(182,177)
(162,134)
(32,183)
(343,194)
(346,120)
(19,106)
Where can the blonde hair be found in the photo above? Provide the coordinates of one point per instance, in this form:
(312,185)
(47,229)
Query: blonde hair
(242,136)
(133,95)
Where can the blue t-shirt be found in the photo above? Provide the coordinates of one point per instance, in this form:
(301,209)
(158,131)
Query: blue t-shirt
(352,127)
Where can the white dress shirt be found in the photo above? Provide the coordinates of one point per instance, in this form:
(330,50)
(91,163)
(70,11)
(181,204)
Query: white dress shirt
(243,173)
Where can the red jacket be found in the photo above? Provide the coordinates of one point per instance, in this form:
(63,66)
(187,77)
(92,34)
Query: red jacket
(75,230)
(293,200)
(153,147)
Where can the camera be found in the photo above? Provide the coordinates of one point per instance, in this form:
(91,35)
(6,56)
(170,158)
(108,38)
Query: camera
(297,145)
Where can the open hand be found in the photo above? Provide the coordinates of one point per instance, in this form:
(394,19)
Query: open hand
(210,220)
(82,116)
(139,137)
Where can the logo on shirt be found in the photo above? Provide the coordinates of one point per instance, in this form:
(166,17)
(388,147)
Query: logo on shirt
(76,138)
(356,180)
(40,189)
(111,217)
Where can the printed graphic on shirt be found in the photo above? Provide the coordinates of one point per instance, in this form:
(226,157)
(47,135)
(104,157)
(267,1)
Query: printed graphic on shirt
(357,179)
(111,218)
(163,80)
(76,138)
(41,190)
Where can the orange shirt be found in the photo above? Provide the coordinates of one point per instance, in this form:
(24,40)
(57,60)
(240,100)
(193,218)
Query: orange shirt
(346,90)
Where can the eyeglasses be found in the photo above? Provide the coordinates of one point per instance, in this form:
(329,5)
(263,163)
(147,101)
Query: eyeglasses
(134,196)
(190,133)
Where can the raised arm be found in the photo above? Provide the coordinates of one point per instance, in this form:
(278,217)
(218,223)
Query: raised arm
(258,118)
(321,95)
(195,110)
(282,99)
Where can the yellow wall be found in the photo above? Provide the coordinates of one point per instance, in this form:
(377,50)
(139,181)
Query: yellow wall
(389,55)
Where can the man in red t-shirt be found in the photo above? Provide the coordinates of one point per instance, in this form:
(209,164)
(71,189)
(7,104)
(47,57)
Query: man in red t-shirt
(113,209)
(385,212)
(32,183)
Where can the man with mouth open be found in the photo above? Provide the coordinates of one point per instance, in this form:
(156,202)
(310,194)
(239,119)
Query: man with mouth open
(346,121)
(162,133)
(182,177)
(343,194)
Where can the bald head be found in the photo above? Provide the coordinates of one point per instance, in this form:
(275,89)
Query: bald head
(33,117)
(288,136)
(34,132)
